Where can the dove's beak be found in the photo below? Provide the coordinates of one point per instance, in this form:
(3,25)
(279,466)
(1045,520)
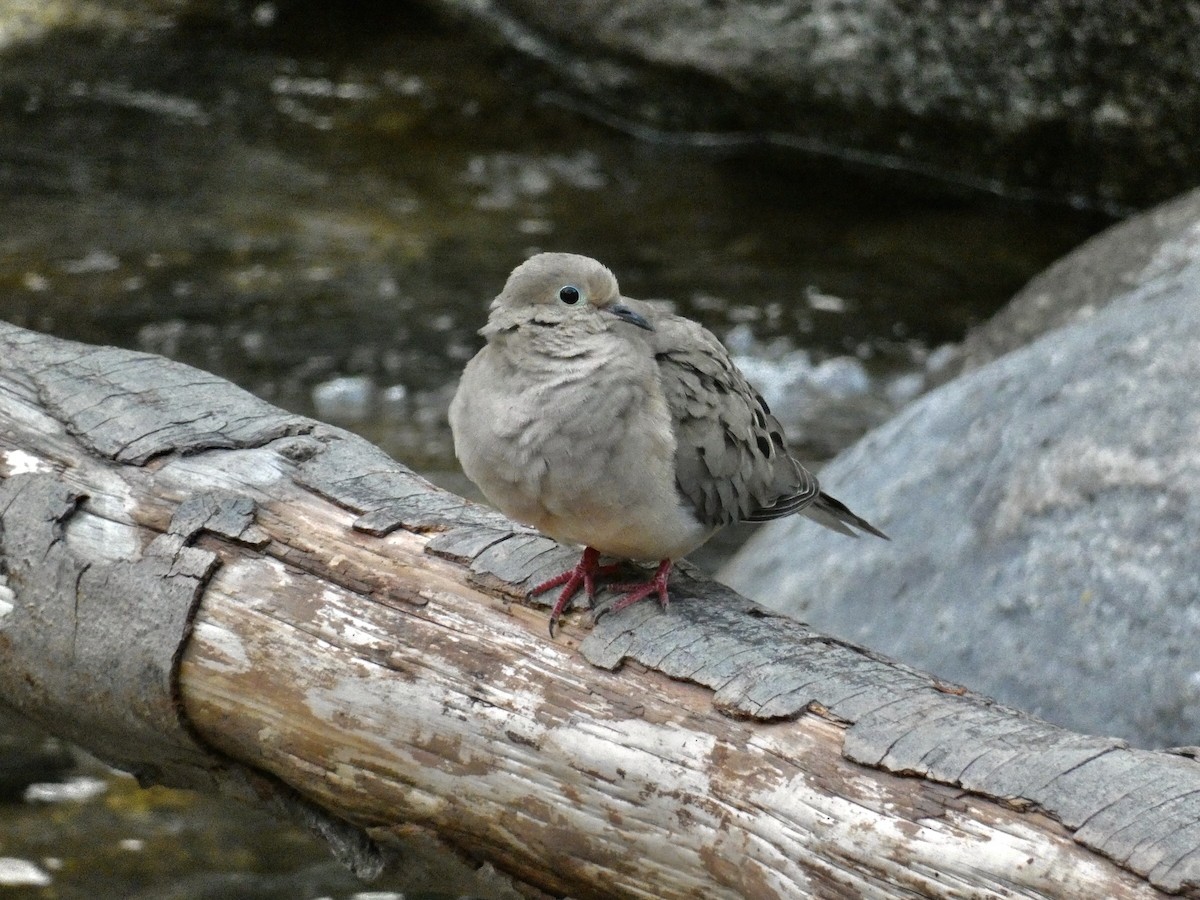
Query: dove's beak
(625,314)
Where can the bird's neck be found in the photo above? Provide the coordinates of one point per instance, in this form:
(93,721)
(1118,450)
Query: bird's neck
(535,344)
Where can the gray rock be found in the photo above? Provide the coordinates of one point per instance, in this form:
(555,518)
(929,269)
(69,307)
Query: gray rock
(1045,521)
(1144,247)
(1090,99)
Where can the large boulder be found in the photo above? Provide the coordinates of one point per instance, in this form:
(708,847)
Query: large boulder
(1077,98)
(1045,521)
(1159,242)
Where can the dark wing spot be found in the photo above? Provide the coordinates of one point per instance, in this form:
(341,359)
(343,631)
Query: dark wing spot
(777,438)
(764,446)
(763,404)
(759,419)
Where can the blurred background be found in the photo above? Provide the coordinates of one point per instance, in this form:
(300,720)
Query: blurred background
(318,201)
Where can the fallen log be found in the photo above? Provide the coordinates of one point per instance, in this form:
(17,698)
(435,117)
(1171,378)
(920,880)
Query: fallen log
(212,593)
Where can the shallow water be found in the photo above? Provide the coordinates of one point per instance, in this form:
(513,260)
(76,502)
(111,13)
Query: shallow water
(321,208)
(98,835)
(290,203)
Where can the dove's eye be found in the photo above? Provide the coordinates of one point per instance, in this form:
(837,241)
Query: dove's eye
(569,294)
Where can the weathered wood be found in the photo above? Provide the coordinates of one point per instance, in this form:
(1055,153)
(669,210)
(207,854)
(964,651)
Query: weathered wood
(351,632)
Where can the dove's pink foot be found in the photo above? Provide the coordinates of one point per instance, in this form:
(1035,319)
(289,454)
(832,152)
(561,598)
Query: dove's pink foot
(583,575)
(642,590)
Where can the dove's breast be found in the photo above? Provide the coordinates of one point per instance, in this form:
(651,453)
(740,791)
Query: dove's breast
(580,447)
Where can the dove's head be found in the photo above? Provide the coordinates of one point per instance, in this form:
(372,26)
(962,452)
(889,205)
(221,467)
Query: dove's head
(564,287)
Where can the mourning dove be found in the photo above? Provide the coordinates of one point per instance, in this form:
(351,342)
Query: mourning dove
(609,423)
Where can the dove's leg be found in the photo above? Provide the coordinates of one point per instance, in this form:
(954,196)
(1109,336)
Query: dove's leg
(583,575)
(640,591)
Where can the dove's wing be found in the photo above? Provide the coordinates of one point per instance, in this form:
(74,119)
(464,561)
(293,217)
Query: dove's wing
(731,459)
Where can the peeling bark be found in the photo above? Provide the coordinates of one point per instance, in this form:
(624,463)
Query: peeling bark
(210,592)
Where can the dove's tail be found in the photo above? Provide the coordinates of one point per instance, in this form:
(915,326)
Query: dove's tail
(835,514)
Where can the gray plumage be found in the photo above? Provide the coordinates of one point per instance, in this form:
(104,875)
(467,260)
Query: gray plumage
(607,422)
